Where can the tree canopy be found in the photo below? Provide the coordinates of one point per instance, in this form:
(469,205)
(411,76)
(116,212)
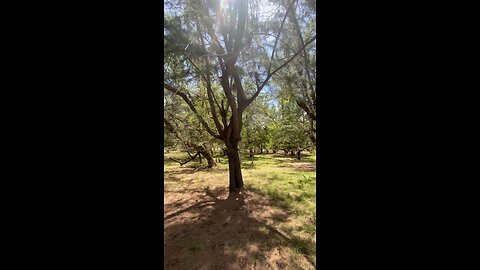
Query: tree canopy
(241,73)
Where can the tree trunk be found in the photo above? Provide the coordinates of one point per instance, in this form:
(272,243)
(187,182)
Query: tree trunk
(298,153)
(235,171)
(208,156)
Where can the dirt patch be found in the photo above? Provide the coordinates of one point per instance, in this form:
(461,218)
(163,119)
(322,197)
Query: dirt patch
(302,166)
(211,229)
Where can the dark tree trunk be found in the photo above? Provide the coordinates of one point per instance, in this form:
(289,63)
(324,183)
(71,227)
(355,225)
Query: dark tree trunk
(292,154)
(234,168)
(298,153)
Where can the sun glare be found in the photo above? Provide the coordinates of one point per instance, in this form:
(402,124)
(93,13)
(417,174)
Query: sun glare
(265,8)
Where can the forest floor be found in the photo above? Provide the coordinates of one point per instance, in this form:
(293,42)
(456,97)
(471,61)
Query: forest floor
(269,225)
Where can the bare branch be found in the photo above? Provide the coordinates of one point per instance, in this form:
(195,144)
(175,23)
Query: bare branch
(185,162)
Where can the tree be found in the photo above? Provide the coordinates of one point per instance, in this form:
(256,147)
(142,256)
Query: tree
(255,132)
(184,129)
(290,130)
(209,48)
(299,78)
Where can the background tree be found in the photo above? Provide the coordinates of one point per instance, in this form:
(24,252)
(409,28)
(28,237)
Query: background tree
(290,132)
(299,77)
(255,133)
(186,132)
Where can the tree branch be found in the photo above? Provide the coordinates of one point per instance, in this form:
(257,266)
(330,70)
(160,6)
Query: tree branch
(241,6)
(168,125)
(184,96)
(304,106)
(278,36)
(185,162)
(276,70)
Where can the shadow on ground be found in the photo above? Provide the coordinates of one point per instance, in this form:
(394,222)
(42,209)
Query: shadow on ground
(230,234)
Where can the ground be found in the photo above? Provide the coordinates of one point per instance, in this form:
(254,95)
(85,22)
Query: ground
(269,225)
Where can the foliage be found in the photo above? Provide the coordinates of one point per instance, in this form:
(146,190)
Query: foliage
(239,72)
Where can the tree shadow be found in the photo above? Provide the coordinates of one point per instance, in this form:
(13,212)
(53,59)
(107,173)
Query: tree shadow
(302,166)
(185,169)
(248,166)
(229,234)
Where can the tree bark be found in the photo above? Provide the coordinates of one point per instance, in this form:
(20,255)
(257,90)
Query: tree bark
(234,168)
(299,156)
(207,155)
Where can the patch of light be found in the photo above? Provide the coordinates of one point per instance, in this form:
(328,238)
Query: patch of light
(266,9)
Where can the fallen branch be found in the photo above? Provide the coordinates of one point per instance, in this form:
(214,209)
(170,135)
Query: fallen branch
(185,162)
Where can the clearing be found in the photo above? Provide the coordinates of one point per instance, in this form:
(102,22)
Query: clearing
(270,225)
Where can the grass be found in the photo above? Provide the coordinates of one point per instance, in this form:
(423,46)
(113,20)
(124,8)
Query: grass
(288,186)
